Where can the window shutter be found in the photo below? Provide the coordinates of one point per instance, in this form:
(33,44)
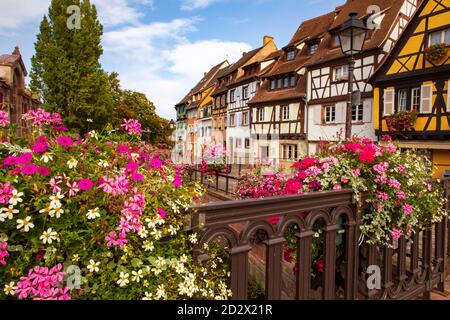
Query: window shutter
(367,111)
(341,112)
(389,99)
(448,96)
(317,114)
(426,98)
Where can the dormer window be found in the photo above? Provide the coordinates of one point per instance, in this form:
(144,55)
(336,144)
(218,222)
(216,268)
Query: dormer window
(336,41)
(290,55)
(313,47)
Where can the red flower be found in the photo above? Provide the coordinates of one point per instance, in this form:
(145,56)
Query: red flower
(274,220)
(368,154)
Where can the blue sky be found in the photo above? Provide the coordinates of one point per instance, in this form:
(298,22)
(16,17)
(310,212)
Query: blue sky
(162,47)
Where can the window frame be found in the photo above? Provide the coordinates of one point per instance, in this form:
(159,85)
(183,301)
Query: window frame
(283,110)
(245,118)
(261,112)
(245,92)
(290,152)
(402,97)
(330,111)
(442,33)
(342,68)
(233,95)
(358,113)
(290,55)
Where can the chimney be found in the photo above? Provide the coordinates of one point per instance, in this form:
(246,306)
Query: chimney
(16,51)
(267,39)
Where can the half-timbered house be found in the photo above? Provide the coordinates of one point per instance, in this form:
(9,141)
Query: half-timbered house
(328,69)
(413,81)
(241,88)
(278,108)
(179,154)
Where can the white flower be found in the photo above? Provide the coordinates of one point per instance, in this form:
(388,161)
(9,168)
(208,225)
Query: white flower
(49,236)
(143,233)
(72,163)
(56,212)
(148,296)
(16,197)
(193,238)
(183,258)
(172,230)
(93,214)
(93,134)
(56,197)
(103,163)
(93,266)
(179,268)
(9,212)
(55,205)
(145,284)
(157,234)
(10,289)
(46,157)
(123,279)
(137,276)
(46,209)
(148,246)
(160,262)
(161,292)
(25,224)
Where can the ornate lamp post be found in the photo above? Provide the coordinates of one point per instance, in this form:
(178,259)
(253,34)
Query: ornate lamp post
(352,35)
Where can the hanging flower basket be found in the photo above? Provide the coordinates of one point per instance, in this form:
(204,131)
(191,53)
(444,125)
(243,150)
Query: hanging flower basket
(402,121)
(436,53)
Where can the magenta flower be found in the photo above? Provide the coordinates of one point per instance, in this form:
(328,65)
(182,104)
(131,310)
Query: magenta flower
(132,126)
(10,161)
(3,253)
(161,213)
(396,234)
(30,169)
(123,149)
(137,177)
(44,171)
(42,139)
(383,196)
(407,209)
(85,184)
(401,195)
(25,158)
(177,181)
(40,147)
(132,167)
(65,141)
(156,163)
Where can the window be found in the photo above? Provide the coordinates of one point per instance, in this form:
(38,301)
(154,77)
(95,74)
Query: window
(233,95)
(245,118)
(261,114)
(245,92)
(238,143)
(293,81)
(285,114)
(286,82)
(340,73)
(402,99)
(232,117)
(389,98)
(415,99)
(273,84)
(330,114)
(247,143)
(438,37)
(426,98)
(280,83)
(336,41)
(357,113)
(313,48)
(290,152)
(291,55)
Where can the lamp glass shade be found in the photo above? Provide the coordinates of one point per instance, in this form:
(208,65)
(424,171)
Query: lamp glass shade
(352,36)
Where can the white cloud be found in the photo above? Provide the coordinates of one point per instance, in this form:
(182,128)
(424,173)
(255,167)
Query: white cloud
(15,13)
(160,61)
(189,5)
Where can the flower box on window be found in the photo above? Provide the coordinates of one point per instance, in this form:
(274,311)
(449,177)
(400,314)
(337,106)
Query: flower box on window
(402,121)
(437,52)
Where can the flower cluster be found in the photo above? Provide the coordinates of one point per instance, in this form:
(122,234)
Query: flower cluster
(402,121)
(132,126)
(111,206)
(214,160)
(40,118)
(43,283)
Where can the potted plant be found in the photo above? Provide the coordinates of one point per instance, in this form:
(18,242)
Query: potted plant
(437,52)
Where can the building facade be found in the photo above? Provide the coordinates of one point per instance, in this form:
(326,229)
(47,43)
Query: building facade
(278,109)
(14,96)
(410,80)
(328,69)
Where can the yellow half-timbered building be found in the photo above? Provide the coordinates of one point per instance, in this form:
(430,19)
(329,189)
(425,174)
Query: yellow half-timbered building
(414,81)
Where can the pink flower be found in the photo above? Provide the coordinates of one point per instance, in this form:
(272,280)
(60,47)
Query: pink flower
(54,184)
(337,187)
(161,213)
(344,180)
(156,163)
(383,196)
(10,161)
(381,168)
(391,148)
(3,253)
(123,149)
(407,209)
(40,148)
(25,158)
(177,181)
(401,195)
(132,126)
(137,177)
(131,167)
(72,189)
(42,139)
(4,118)
(44,171)
(65,141)
(396,234)
(357,172)
(85,184)
(274,220)
(30,169)
(320,266)
(367,154)
(393,183)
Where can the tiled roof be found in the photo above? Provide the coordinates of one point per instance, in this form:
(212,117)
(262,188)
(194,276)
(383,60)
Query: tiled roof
(327,52)
(265,95)
(205,81)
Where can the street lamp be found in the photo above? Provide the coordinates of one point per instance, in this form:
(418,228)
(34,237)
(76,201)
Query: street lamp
(352,35)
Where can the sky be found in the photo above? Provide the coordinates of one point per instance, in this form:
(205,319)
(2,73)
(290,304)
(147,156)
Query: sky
(163,47)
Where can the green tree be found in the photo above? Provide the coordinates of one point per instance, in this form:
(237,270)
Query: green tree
(66,71)
(135,105)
